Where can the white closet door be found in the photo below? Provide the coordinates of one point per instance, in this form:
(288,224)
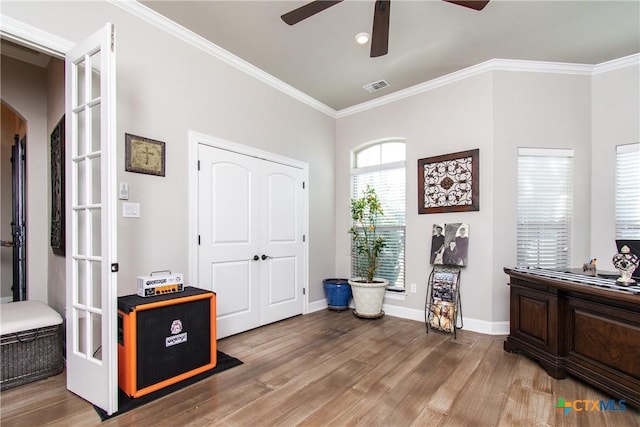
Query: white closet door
(251,251)
(228,221)
(281,231)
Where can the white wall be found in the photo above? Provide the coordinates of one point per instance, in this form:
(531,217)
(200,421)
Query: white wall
(615,109)
(56,265)
(165,88)
(541,110)
(497,112)
(453,118)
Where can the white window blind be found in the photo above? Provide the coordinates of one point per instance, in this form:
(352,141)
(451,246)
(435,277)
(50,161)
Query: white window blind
(545,194)
(388,179)
(628,191)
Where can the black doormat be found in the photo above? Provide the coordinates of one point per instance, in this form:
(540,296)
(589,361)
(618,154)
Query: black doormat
(126,403)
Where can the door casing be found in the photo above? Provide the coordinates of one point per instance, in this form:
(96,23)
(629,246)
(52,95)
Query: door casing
(196,138)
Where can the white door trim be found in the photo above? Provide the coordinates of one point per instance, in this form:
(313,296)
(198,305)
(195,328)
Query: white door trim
(196,138)
(34,37)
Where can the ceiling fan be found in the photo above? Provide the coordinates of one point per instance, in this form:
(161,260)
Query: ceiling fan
(380,31)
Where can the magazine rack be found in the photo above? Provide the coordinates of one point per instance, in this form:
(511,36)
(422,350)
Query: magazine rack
(443,307)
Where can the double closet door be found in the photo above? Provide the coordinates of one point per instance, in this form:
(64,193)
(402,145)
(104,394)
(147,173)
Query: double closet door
(250,226)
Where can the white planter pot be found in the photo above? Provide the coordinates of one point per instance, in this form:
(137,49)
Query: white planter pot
(368,297)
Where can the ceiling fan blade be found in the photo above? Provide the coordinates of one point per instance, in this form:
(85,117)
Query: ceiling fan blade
(471,4)
(380,31)
(309,9)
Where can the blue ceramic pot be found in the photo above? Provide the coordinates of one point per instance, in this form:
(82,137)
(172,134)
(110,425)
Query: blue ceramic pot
(338,293)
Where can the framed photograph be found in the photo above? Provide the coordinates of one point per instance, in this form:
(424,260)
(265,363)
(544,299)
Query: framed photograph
(449,183)
(450,244)
(57,189)
(144,155)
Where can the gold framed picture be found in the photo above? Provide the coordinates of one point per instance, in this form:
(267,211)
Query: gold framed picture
(449,183)
(144,155)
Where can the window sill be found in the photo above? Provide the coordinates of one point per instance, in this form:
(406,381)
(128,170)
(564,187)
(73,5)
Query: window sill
(395,293)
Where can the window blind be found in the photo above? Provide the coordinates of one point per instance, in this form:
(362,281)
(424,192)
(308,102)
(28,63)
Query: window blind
(544,214)
(390,188)
(628,191)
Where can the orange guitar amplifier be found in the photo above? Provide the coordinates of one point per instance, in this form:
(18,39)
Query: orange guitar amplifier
(165,339)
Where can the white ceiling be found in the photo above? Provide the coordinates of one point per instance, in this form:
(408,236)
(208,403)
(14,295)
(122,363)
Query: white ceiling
(427,39)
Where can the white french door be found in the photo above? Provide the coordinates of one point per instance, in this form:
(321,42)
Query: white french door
(250,226)
(92,363)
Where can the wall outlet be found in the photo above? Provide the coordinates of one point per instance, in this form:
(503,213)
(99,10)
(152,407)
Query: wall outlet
(414,288)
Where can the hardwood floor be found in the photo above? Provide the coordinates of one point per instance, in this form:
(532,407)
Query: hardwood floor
(333,369)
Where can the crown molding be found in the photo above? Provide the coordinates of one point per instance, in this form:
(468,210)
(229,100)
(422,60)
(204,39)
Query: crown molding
(33,37)
(152,17)
(474,70)
(617,64)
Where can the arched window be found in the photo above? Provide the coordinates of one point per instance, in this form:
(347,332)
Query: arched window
(382,165)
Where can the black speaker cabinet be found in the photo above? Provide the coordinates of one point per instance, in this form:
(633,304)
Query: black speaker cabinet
(165,339)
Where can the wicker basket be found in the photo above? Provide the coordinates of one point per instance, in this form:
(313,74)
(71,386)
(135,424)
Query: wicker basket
(31,354)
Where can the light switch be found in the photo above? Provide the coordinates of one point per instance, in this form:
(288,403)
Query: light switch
(130,210)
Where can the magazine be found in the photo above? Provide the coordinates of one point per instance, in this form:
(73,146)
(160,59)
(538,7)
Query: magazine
(444,292)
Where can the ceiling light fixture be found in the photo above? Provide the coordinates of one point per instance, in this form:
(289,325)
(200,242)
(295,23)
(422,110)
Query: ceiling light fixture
(362,38)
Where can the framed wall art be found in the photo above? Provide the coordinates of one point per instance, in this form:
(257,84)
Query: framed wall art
(57,189)
(144,155)
(449,183)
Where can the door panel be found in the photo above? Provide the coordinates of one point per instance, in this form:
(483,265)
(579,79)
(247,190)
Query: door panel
(231,204)
(281,205)
(92,364)
(282,273)
(236,301)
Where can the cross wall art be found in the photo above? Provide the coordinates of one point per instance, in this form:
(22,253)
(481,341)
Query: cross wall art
(449,183)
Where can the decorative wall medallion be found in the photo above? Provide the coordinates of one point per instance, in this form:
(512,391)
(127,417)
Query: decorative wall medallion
(449,183)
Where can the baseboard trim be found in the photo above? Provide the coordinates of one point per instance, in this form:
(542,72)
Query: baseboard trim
(470,324)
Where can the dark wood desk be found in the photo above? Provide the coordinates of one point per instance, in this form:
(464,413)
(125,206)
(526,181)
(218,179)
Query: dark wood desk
(573,324)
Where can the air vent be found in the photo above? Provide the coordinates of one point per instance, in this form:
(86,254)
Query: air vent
(375,86)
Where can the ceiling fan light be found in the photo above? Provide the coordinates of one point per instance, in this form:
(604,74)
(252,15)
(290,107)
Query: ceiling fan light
(362,38)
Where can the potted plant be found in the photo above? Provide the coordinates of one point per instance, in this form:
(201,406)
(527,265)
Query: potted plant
(367,244)
(338,293)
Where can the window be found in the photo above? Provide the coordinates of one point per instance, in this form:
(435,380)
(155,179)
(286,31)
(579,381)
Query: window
(383,167)
(628,191)
(545,194)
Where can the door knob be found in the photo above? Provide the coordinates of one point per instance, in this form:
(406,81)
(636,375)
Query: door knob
(256,257)
(264,257)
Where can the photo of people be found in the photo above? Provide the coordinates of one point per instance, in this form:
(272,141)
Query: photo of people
(437,244)
(450,244)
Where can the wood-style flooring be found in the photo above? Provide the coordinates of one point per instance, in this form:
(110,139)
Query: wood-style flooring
(332,369)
